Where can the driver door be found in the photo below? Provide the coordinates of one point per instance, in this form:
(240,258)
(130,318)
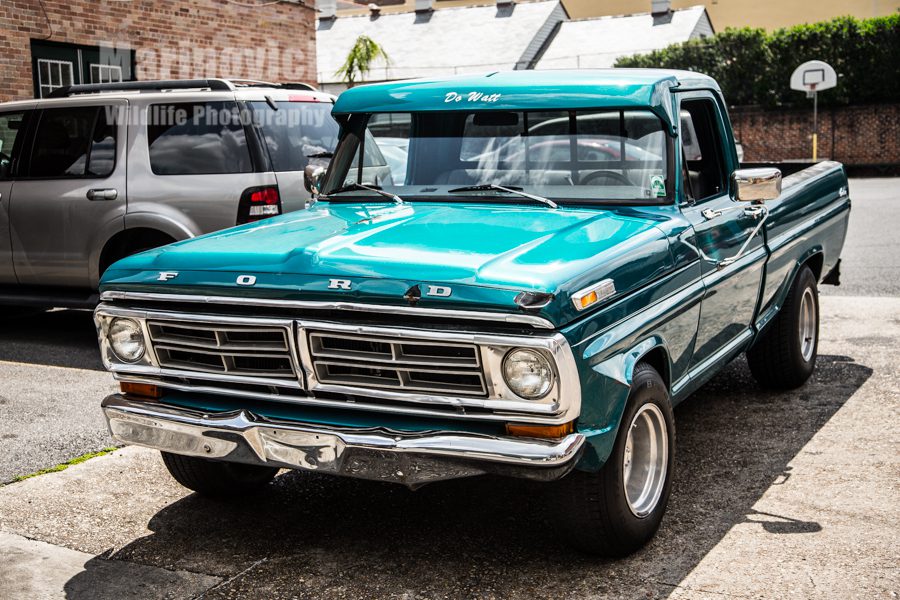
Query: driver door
(721,227)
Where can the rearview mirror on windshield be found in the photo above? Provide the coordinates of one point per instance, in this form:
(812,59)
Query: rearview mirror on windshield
(495,119)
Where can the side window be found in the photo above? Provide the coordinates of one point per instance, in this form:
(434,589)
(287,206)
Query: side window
(62,141)
(203,138)
(701,141)
(74,143)
(102,159)
(375,167)
(10,126)
(390,133)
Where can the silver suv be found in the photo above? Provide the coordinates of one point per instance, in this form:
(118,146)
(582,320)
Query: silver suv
(98,172)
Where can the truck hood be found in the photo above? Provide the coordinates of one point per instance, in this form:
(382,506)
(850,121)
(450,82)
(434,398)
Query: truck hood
(487,254)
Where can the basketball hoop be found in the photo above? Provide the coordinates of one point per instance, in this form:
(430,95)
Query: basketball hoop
(812,77)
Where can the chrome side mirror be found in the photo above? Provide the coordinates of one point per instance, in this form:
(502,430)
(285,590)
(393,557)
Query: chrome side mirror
(757,185)
(312,178)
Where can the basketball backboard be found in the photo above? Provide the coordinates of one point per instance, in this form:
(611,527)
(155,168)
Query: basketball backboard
(813,76)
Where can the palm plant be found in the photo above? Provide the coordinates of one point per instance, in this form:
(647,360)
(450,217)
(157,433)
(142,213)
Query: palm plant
(364,52)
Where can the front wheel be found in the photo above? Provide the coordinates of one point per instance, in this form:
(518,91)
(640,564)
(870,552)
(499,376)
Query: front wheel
(216,478)
(785,355)
(615,511)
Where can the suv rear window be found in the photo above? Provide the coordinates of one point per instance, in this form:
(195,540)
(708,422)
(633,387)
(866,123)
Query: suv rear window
(74,142)
(296,131)
(197,138)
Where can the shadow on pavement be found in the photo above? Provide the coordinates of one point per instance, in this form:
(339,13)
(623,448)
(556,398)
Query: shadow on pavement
(56,338)
(314,536)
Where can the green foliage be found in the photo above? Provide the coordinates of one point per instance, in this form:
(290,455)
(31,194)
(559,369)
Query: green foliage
(364,52)
(754,67)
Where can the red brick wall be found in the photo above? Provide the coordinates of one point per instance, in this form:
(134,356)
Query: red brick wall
(853,135)
(172,38)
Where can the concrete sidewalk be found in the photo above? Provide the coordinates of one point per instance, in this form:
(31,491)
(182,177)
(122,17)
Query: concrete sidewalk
(775,496)
(39,570)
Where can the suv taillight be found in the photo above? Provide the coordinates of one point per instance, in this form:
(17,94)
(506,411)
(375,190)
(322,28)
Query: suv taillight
(258,203)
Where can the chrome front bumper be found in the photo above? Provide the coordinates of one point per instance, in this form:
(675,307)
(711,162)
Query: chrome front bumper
(410,458)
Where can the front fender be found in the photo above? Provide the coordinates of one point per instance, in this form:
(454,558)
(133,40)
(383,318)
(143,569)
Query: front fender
(609,382)
(662,317)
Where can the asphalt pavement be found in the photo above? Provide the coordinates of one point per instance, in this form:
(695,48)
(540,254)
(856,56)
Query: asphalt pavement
(871,257)
(51,383)
(775,495)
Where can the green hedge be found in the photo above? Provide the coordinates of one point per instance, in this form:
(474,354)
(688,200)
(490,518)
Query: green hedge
(754,67)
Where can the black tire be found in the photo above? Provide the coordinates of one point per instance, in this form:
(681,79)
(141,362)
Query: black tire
(216,478)
(777,358)
(595,515)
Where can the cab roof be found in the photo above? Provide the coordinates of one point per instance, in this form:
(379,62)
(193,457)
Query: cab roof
(526,90)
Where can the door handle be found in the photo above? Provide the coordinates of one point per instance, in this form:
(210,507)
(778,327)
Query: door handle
(103,194)
(757,212)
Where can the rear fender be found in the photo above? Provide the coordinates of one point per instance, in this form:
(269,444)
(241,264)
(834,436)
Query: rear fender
(173,223)
(769,313)
(174,228)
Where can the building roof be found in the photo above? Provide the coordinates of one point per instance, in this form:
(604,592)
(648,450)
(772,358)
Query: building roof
(597,43)
(526,90)
(442,42)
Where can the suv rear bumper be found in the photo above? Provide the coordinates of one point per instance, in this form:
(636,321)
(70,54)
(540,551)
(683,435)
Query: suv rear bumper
(410,458)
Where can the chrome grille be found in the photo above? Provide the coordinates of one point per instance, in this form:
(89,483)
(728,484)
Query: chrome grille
(400,364)
(227,349)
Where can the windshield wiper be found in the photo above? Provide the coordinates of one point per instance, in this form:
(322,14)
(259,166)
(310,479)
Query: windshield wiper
(485,187)
(321,155)
(355,187)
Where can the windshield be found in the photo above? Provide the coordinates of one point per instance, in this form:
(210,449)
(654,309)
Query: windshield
(577,156)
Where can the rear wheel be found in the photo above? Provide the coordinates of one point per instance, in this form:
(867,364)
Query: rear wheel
(216,478)
(615,511)
(785,355)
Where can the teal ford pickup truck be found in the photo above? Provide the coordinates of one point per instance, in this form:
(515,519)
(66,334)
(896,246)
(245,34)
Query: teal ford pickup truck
(518,273)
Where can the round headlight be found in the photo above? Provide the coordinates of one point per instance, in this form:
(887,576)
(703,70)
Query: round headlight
(527,373)
(126,339)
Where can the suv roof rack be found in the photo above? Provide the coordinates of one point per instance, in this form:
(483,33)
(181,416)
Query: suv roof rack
(216,85)
(287,85)
(143,86)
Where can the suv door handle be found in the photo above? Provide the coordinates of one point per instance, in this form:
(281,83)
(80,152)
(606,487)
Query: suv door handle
(103,194)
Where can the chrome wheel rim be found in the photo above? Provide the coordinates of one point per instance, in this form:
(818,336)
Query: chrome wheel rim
(646,459)
(807,327)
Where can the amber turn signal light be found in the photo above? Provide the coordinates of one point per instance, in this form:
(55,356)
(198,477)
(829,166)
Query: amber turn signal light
(541,431)
(589,299)
(140,389)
